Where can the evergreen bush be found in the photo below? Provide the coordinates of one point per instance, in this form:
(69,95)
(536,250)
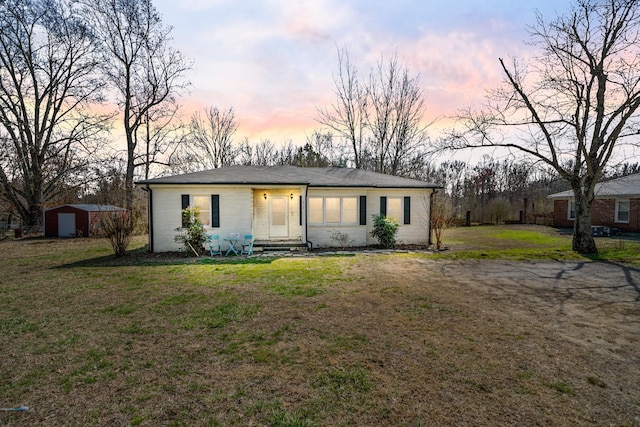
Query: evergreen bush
(385,230)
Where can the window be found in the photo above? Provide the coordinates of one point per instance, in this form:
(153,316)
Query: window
(394,208)
(571,211)
(349,210)
(201,203)
(333,210)
(316,210)
(207,206)
(622,211)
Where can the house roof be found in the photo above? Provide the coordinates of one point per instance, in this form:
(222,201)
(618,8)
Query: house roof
(91,208)
(626,186)
(292,175)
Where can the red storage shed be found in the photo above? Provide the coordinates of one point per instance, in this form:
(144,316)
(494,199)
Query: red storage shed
(73,220)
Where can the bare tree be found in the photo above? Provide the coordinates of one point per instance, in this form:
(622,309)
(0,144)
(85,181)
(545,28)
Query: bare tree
(47,83)
(286,154)
(381,119)
(209,144)
(395,116)
(264,153)
(441,218)
(163,135)
(141,66)
(574,104)
(330,150)
(347,117)
(245,153)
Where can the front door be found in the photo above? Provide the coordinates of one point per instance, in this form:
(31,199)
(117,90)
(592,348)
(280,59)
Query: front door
(278,217)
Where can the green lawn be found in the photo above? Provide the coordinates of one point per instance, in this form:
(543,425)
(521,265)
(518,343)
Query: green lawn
(531,242)
(87,339)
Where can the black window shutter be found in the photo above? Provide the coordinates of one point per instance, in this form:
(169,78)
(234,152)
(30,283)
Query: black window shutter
(383,206)
(300,208)
(407,210)
(185,205)
(215,210)
(363,210)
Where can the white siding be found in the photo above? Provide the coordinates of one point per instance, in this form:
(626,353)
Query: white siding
(235,212)
(415,233)
(260,215)
(244,210)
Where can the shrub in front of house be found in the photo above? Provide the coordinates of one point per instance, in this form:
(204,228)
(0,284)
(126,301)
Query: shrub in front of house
(385,230)
(192,235)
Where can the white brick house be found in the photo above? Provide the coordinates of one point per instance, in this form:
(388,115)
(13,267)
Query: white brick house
(287,203)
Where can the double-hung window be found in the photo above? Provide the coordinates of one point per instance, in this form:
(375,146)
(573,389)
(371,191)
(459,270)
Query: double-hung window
(622,210)
(316,210)
(394,208)
(203,208)
(333,210)
(207,206)
(349,210)
(398,208)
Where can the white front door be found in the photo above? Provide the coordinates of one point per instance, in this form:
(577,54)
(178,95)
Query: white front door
(66,224)
(278,226)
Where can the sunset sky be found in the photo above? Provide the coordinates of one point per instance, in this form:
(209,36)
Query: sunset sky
(272,61)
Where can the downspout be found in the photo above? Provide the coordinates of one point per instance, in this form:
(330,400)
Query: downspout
(431,196)
(306,219)
(150,215)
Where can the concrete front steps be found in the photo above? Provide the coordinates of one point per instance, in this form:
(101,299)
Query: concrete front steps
(279,245)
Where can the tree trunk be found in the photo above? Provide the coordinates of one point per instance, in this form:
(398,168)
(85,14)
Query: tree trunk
(128,185)
(583,241)
(34,197)
(129,173)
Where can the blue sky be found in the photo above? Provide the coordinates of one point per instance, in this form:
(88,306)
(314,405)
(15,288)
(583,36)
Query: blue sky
(273,60)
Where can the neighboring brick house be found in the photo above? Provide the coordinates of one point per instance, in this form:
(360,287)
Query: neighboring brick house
(616,204)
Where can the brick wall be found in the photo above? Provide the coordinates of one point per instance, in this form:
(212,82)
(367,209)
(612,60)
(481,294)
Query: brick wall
(603,213)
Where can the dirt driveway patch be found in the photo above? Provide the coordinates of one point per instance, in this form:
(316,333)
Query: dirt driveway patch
(570,293)
(576,324)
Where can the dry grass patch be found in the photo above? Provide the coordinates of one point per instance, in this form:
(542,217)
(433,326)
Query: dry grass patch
(365,340)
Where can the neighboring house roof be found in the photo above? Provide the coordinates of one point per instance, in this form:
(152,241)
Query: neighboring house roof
(292,175)
(91,208)
(626,186)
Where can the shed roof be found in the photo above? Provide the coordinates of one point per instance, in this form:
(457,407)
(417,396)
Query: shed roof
(91,207)
(292,175)
(626,186)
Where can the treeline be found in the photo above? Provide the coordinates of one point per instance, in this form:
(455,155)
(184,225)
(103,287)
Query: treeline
(492,191)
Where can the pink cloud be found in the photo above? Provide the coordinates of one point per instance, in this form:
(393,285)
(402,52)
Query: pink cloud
(273,61)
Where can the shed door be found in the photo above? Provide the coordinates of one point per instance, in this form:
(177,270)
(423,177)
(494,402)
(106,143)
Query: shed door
(66,224)
(278,217)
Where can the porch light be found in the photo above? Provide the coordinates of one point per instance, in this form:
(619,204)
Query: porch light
(265,196)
